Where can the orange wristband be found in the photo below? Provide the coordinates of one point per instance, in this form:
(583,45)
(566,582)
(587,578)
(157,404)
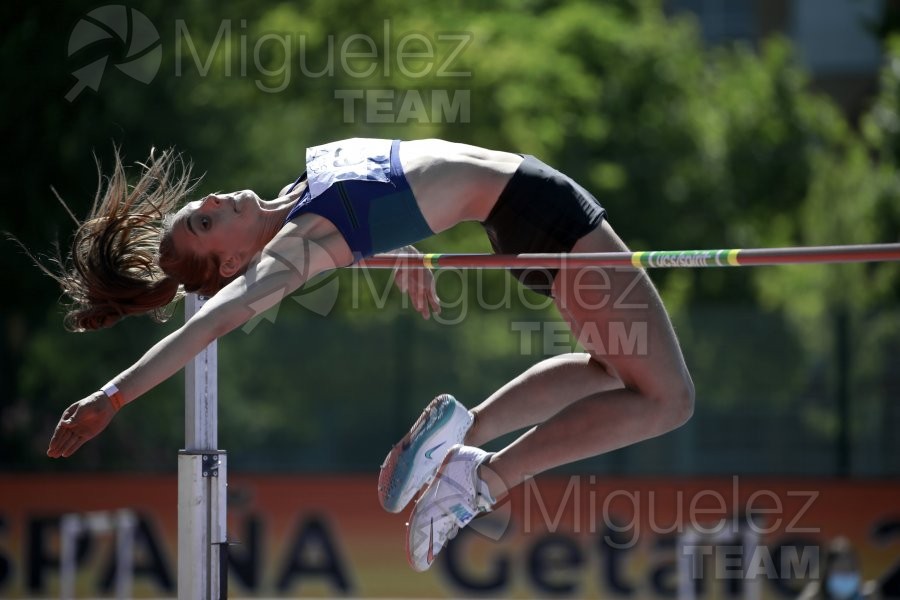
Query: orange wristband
(114,395)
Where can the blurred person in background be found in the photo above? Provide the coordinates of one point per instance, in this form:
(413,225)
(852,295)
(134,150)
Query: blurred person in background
(841,577)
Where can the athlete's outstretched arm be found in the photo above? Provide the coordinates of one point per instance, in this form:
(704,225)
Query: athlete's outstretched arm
(285,264)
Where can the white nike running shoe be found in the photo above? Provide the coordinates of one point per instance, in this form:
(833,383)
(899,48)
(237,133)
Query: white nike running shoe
(455,496)
(414,460)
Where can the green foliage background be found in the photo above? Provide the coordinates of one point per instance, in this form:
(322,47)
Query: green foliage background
(687,146)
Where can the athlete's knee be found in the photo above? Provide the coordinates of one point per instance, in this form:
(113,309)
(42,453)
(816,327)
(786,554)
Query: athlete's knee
(673,396)
(681,400)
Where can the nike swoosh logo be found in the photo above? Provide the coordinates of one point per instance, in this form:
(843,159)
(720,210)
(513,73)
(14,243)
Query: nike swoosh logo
(431,542)
(430,451)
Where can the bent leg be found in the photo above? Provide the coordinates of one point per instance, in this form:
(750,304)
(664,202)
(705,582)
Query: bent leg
(619,318)
(538,394)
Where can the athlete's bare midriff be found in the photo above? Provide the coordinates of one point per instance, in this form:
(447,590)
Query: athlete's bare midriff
(451,182)
(455,182)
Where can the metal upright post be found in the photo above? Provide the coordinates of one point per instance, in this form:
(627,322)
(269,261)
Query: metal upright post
(201,478)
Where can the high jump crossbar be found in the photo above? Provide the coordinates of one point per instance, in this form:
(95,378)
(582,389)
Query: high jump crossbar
(736,257)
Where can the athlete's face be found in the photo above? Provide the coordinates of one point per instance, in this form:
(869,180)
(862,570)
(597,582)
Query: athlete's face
(224,225)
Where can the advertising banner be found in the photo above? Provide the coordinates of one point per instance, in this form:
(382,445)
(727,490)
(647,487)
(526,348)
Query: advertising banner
(579,536)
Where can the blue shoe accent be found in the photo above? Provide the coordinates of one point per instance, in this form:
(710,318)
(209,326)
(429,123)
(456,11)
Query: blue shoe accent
(406,469)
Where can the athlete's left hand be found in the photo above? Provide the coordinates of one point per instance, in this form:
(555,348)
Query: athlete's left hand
(418,284)
(80,422)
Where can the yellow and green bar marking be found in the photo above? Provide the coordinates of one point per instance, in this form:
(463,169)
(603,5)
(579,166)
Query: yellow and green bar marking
(686,258)
(645,260)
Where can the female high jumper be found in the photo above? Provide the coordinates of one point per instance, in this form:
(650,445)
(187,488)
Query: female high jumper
(135,254)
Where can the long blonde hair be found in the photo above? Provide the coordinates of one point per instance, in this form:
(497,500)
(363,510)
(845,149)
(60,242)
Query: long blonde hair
(113,268)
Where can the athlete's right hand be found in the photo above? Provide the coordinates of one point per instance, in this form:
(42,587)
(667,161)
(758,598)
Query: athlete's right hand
(79,423)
